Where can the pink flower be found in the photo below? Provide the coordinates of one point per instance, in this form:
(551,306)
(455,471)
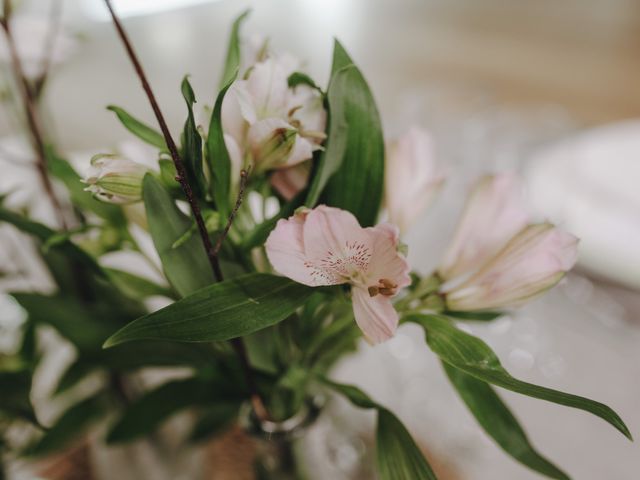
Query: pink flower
(533,261)
(493,214)
(274,126)
(327,246)
(291,181)
(412,177)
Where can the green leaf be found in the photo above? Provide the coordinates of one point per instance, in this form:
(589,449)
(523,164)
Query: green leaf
(136,287)
(139,129)
(14,400)
(192,147)
(186,266)
(299,78)
(76,322)
(145,414)
(397,455)
(474,357)
(74,373)
(485,316)
(350,171)
(213,420)
(221,311)
(218,156)
(341,58)
(497,420)
(70,425)
(232,62)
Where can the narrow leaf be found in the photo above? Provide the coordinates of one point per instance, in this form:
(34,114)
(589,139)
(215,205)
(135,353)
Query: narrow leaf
(397,455)
(70,424)
(139,129)
(148,412)
(192,147)
(186,266)
(299,78)
(218,156)
(14,400)
(135,286)
(474,357)
(221,311)
(232,62)
(351,169)
(497,420)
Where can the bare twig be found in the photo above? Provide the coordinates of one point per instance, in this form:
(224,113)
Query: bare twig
(244,175)
(182,178)
(31,110)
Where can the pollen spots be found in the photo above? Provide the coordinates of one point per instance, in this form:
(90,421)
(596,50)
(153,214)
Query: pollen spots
(337,267)
(385,287)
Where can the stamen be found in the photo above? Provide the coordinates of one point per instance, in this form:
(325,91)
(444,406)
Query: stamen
(373,291)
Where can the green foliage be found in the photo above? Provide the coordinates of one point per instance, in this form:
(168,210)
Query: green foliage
(139,129)
(186,266)
(136,287)
(397,455)
(232,62)
(218,157)
(497,420)
(474,357)
(221,311)
(192,144)
(145,414)
(299,78)
(14,400)
(72,423)
(350,172)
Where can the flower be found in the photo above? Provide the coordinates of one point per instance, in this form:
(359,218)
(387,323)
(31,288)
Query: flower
(115,179)
(533,261)
(291,181)
(274,125)
(412,177)
(493,214)
(327,246)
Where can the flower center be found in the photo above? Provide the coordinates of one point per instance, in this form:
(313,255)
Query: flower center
(349,264)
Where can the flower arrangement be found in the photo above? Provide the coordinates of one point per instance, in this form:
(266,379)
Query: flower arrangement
(266,222)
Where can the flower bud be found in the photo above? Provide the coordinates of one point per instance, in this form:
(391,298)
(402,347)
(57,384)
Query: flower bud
(115,179)
(412,177)
(493,214)
(533,261)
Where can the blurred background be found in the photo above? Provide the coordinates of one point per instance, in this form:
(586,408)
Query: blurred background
(547,88)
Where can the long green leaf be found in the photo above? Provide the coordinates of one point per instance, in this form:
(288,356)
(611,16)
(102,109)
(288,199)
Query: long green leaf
(186,266)
(351,169)
(153,408)
(397,455)
(221,311)
(135,286)
(474,357)
(497,420)
(192,146)
(70,424)
(232,62)
(139,129)
(218,156)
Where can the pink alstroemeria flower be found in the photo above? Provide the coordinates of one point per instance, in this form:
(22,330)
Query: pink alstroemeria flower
(412,177)
(327,246)
(494,213)
(532,262)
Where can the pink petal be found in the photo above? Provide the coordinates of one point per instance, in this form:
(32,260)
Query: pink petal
(290,181)
(334,240)
(285,250)
(386,261)
(375,316)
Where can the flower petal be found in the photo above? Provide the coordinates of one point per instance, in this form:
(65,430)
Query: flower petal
(375,316)
(386,262)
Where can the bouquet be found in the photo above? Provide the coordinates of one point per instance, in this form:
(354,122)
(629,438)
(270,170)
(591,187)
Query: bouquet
(277,219)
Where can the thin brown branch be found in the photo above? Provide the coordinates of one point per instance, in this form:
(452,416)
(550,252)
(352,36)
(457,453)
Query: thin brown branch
(244,175)
(182,178)
(31,111)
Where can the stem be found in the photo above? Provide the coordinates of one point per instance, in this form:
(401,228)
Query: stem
(31,110)
(243,183)
(212,253)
